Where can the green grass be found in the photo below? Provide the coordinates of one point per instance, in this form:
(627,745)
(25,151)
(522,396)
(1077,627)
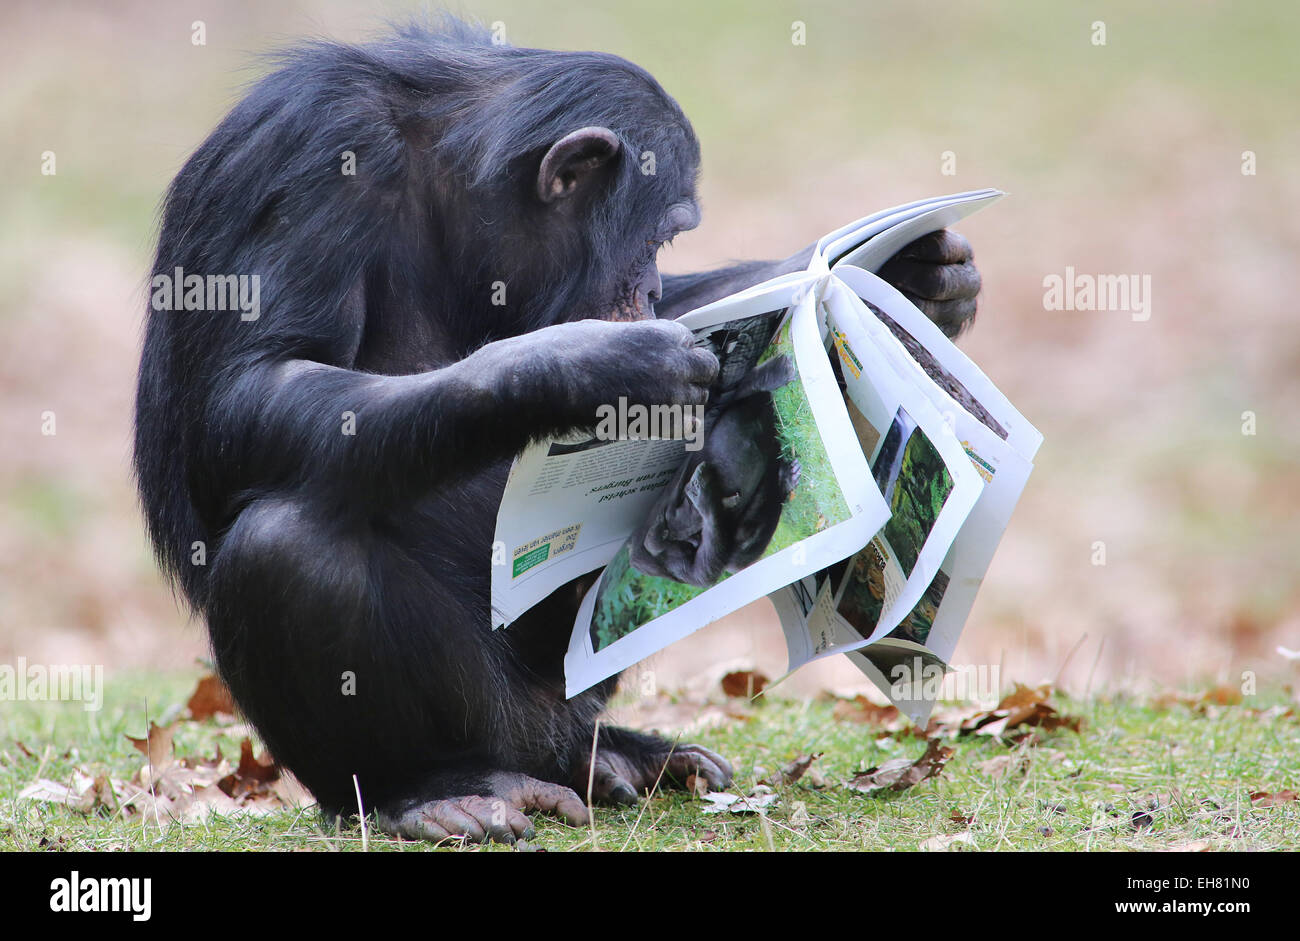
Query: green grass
(1079,791)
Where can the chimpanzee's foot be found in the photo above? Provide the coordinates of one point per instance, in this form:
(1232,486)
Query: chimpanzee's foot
(629,763)
(497,814)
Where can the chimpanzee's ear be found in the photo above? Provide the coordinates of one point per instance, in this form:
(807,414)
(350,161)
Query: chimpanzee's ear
(573,160)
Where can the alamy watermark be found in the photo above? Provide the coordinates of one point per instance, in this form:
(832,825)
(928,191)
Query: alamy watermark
(181,291)
(1125,292)
(63,682)
(919,680)
(654,422)
(78,893)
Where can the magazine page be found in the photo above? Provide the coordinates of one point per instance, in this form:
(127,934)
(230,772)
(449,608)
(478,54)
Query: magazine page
(874,240)
(921,349)
(987,426)
(846,237)
(922,472)
(570,504)
(999,441)
(780,490)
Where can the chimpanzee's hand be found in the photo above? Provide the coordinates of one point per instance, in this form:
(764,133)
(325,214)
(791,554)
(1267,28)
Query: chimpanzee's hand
(649,362)
(937,274)
(628,764)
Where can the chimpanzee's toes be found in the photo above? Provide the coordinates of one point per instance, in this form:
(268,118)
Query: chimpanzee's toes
(498,816)
(474,818)
(530,794)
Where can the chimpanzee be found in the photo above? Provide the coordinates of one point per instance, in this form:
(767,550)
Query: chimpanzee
(721,510)
(455,245)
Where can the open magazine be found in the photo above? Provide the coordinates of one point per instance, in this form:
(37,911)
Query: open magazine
(852,464)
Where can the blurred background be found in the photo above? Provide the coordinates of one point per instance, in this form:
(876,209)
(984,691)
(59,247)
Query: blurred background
(1122,158)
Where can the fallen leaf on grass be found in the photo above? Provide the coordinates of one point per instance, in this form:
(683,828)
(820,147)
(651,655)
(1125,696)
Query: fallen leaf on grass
(1265,799)
(192,789)
(83,793)
(759,800)
(1202,702)
(1023,696)
(253,776)
(210,698)
(945,841)
(157,746)
(744,684)
(898,774)
(1023,706)
(792,772)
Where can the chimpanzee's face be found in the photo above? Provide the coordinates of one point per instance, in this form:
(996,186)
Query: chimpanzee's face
(642,287)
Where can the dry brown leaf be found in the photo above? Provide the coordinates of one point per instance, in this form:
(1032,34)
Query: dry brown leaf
(792,772)
(1023,696)
(1265,799)
(900,774)
(210,698)
(1205,703)
(157,745)
(253,776)
(1040,714)
(744,684)
(1221,696)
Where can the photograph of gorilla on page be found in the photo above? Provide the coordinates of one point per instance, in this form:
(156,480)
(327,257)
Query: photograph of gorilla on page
(915,483)
(761,483)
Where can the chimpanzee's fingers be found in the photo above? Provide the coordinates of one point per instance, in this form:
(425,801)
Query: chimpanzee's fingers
(703,366)
(611,787)
(695,759)
(943,247)
(931,281)
(952,317)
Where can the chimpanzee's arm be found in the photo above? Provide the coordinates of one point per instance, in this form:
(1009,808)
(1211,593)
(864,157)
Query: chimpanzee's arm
(936,273)
(307,423)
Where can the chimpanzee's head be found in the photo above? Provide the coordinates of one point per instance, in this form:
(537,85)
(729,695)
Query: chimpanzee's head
(566,172)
